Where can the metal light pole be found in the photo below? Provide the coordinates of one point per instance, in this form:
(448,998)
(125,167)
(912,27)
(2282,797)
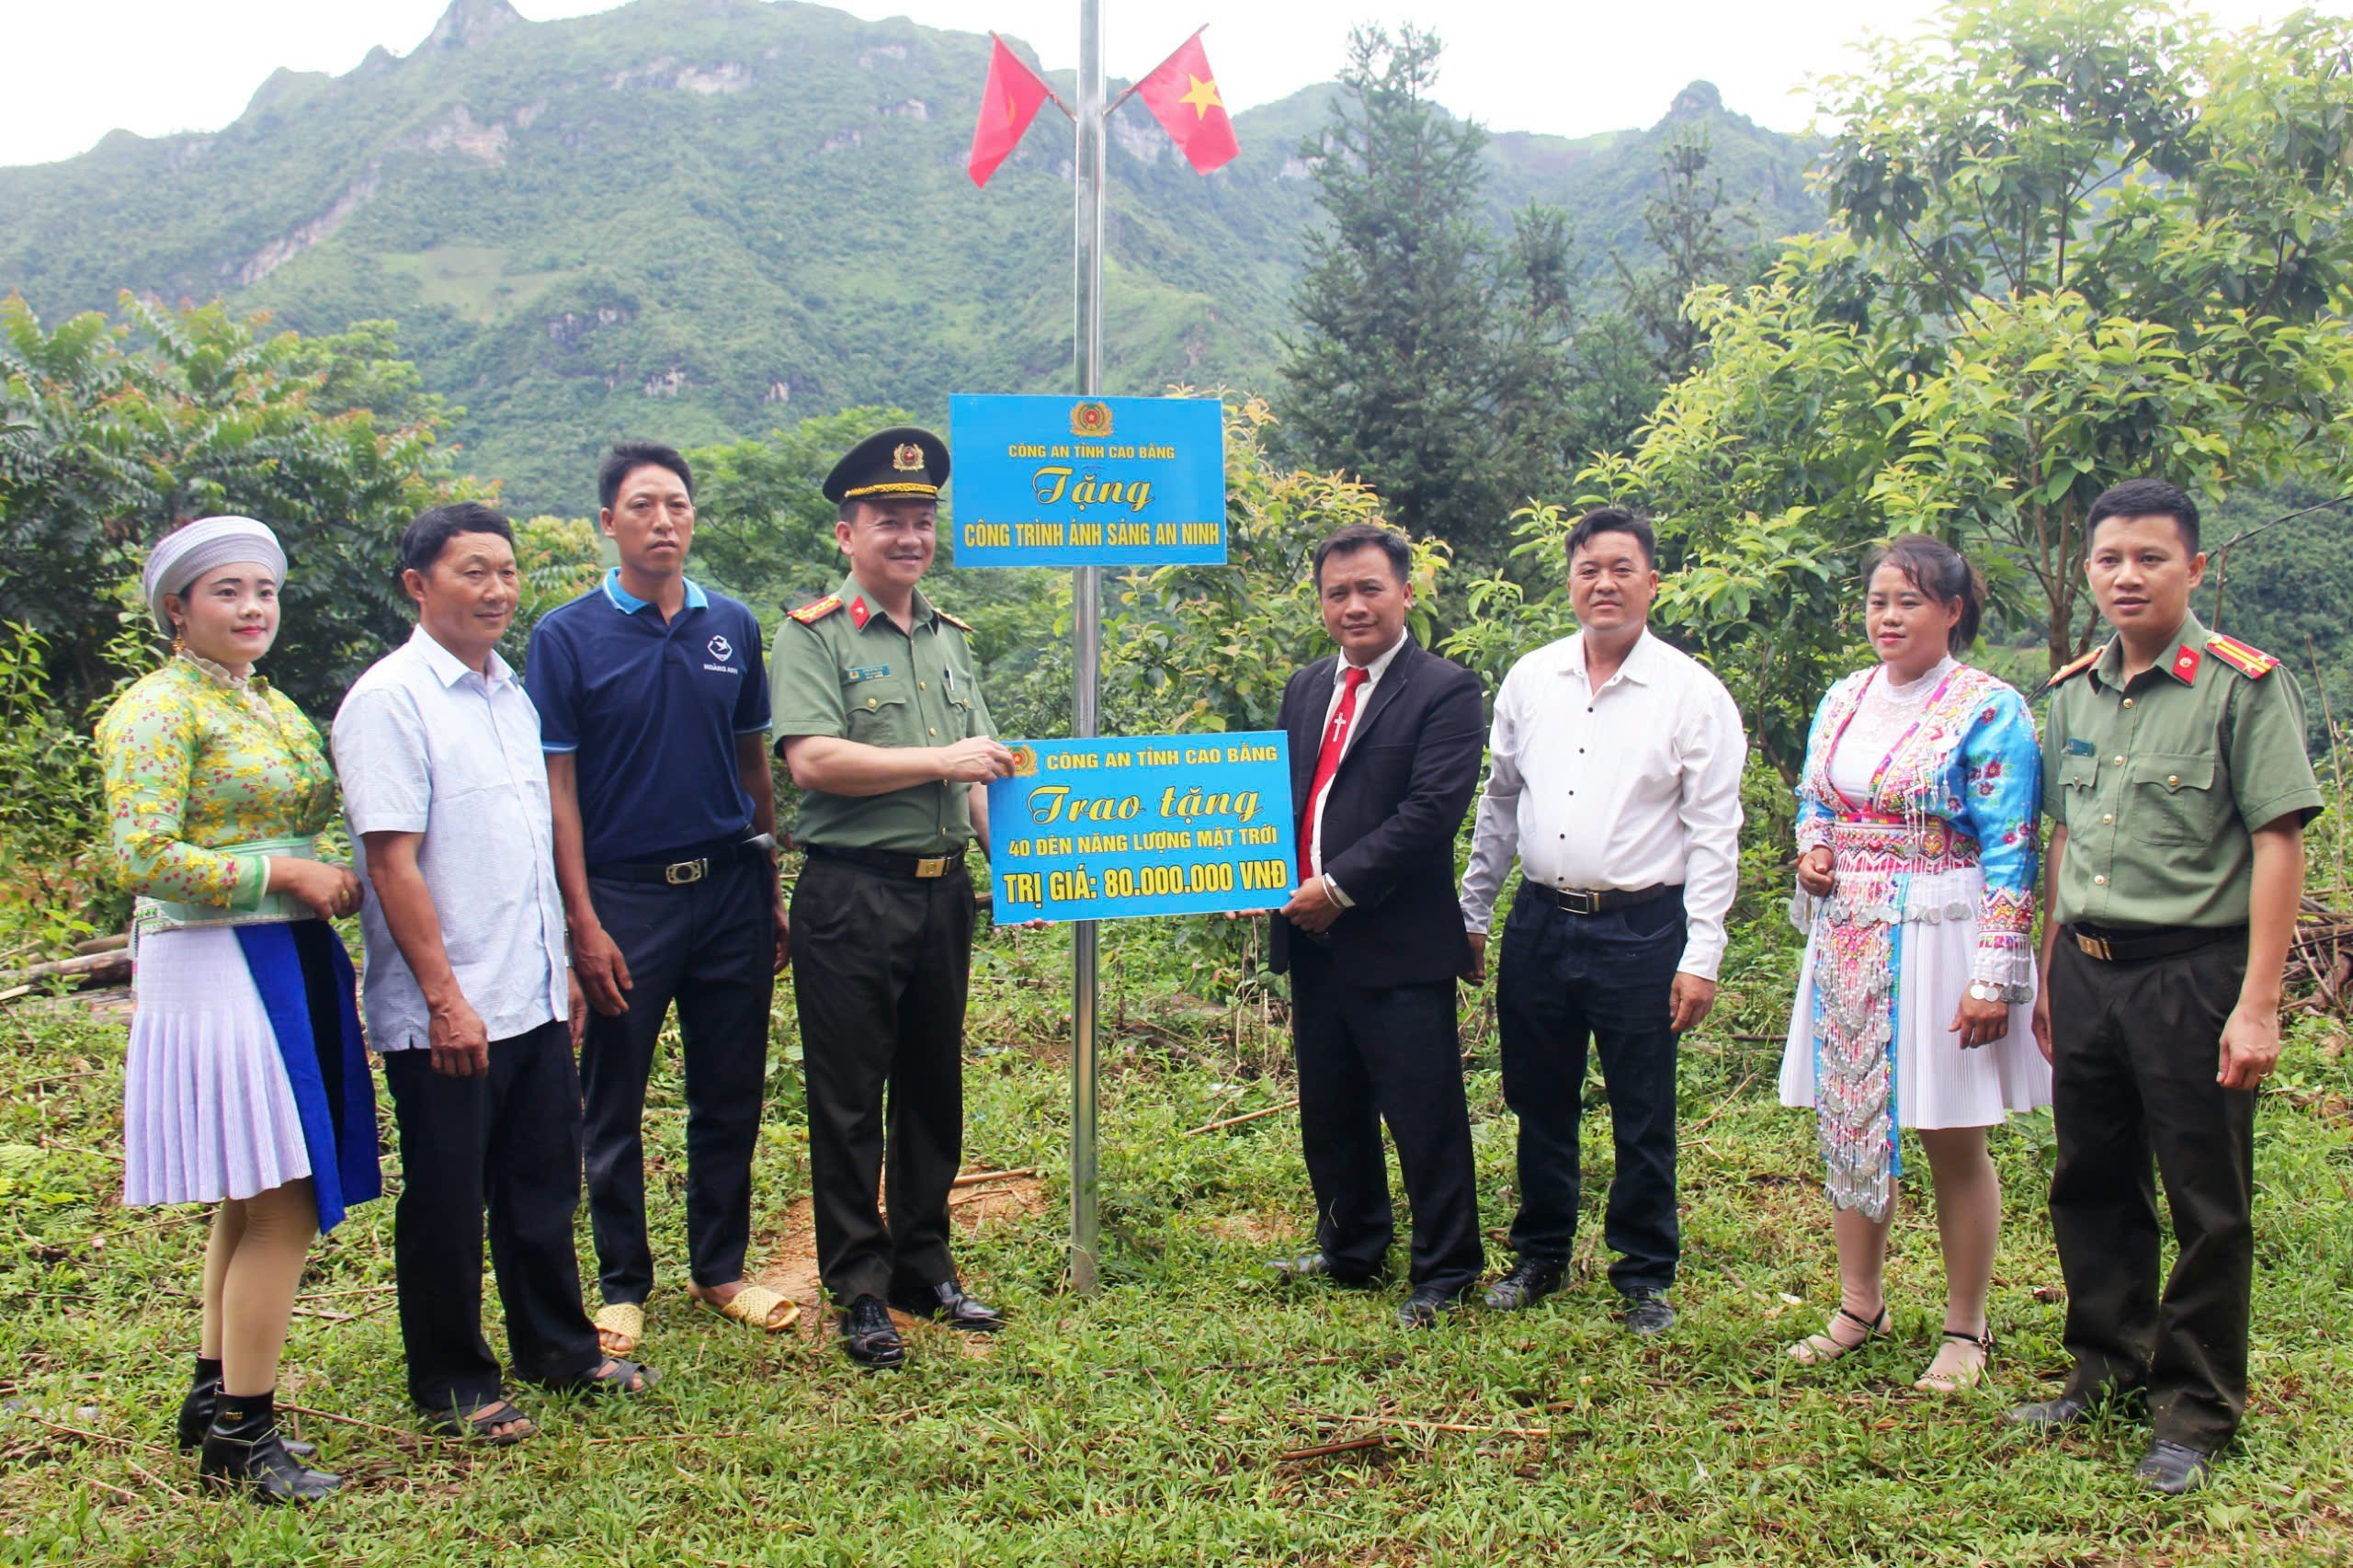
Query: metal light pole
(1086,600)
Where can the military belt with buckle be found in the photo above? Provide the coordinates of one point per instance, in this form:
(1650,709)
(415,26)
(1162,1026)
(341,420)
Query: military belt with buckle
(2107,945)
(1597,901)
(890,863)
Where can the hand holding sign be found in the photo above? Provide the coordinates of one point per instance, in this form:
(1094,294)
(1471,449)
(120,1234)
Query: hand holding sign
(974,761)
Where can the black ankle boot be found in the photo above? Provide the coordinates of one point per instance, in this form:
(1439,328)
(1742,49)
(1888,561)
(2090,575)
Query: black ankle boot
(196,1410)
(243,1450)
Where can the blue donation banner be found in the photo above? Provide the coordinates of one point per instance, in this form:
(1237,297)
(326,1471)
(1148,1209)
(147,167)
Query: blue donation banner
(1159,824)
(1088,480)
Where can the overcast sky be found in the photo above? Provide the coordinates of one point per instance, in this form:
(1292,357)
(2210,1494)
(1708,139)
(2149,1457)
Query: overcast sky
(80,68)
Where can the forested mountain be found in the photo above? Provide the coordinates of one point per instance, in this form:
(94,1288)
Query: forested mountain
(703,218)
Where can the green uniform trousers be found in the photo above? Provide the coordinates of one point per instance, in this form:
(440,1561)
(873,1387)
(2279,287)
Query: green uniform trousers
(880,966)
(2135,1050)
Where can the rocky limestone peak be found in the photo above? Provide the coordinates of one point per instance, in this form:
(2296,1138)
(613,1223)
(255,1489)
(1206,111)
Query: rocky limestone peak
(468,22)
(1697,99)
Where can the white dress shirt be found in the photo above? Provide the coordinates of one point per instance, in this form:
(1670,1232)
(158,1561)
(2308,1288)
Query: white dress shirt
(425,744)
(1624,788)
(1372,674)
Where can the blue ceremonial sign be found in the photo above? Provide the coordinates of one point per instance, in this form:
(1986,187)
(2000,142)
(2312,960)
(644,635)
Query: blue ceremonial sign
(1157,824)
(1088,480)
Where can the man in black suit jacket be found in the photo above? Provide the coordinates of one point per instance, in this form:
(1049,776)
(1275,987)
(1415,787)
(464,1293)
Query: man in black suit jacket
(1384,759)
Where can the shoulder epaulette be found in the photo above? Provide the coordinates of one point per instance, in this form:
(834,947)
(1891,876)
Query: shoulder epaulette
(809,614)
(2252,663)
(959,625)
(2075,668)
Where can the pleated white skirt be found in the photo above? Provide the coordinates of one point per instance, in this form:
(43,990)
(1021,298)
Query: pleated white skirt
(1937,1083)
(207,1112)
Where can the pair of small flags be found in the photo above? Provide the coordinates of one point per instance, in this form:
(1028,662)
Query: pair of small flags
(1181,92)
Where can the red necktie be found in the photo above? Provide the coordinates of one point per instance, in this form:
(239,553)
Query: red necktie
(1328,763)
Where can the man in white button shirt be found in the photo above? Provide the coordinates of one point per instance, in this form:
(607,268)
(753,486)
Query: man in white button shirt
(1614,774)
(468,995)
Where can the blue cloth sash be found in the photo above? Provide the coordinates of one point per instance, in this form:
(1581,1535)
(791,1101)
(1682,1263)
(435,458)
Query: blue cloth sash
(340,1138)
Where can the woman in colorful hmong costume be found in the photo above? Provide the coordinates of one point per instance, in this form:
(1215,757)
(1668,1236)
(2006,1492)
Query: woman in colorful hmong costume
(1917,883)
(247,1083)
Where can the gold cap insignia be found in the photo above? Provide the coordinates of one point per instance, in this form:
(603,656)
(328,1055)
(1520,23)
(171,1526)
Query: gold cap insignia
(908,458)
(1090,419)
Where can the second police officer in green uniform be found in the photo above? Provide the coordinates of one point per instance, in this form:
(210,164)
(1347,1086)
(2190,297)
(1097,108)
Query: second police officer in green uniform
(879,716)
(2174,764)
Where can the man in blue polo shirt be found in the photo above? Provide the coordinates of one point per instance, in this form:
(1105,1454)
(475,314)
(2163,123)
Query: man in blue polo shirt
(654,714)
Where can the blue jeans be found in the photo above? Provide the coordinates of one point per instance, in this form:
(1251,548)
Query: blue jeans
(1567,981)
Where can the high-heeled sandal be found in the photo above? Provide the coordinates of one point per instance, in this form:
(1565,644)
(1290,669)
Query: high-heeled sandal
(1969,1377)
(1821,1349)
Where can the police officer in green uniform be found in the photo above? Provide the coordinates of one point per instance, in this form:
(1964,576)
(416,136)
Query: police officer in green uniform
(879,716)
(2174,764)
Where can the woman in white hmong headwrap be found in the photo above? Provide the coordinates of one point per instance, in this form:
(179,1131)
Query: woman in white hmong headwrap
(247,1083)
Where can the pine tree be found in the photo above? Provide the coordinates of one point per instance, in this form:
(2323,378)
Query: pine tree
(1393,377)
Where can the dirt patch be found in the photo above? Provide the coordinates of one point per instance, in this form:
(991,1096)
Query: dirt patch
(973,1208)
(1258,1230)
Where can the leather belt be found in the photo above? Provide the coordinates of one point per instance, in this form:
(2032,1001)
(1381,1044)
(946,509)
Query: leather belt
(2107,946)
(678,873)
(1598,901)
(890,863)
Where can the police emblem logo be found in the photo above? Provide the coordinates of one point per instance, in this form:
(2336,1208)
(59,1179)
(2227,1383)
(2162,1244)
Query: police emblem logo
(1025,762)
(907,457)
(1092,420)
(721,649)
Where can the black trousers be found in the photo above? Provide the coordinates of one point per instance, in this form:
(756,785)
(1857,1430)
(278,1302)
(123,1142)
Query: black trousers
(506,1145)
(1370,1056)
(1606,979)
(710,947)
(880,967)
(2134,1048)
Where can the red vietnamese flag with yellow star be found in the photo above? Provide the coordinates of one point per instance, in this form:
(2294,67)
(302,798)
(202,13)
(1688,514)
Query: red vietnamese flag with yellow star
(1010,101)
(1182,93)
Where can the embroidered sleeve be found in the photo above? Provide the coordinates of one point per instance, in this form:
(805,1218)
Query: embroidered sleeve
(2001,790)
(1814,813)
(149,745)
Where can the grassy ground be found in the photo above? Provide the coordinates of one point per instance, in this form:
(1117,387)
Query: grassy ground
(1163,1420)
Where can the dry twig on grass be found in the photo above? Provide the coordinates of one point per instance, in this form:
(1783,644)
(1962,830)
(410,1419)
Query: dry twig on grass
(975,1178)
(1290,1103)
(1373,1440)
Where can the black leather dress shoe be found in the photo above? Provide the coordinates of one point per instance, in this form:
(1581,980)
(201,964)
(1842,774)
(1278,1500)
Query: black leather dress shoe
(2172,1468)
(2053,1414)
(1428,1308)
(945,1303)
(868,1337)
(1530,1280)
(1316,1266)
(1647,1312)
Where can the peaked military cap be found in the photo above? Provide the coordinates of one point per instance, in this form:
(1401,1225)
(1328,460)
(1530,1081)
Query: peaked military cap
(901,460)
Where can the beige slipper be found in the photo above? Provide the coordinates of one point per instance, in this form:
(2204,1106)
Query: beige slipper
(625,1322)
(756,1306)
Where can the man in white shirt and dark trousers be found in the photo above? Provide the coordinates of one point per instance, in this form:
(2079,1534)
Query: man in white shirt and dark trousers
(468,993)
(1614,774)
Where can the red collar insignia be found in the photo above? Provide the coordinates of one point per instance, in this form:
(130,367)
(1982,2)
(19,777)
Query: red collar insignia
(2185,664)
(858,614)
